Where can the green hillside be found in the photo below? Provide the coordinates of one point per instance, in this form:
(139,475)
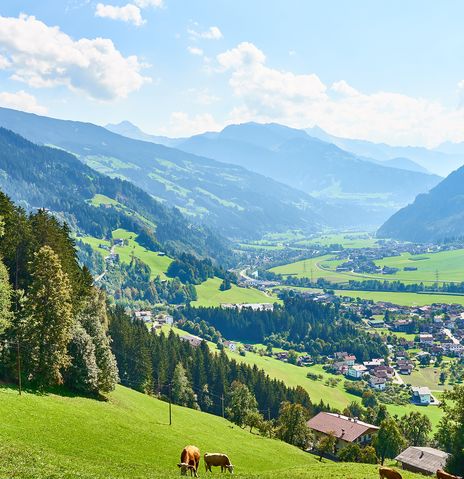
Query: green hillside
(210,295)
(128,436)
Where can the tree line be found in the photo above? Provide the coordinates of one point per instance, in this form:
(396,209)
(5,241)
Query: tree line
(52,320)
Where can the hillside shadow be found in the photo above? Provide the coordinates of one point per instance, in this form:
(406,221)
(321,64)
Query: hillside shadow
(57,391)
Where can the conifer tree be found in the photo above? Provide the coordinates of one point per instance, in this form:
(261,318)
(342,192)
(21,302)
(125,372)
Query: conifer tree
(48,329)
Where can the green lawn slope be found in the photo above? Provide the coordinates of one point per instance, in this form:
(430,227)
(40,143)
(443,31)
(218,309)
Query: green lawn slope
(128,436)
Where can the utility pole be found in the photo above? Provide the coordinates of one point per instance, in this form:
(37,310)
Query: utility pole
(18,365)
(170,404)
(222,404)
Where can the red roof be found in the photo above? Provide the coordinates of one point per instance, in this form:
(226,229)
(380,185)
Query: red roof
(342,427)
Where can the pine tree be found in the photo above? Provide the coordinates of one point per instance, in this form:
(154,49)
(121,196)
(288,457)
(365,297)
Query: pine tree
(48,329)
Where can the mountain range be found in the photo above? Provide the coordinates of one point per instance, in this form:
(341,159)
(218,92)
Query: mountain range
(441,160)
(436,216)
(368,188)
(232,200)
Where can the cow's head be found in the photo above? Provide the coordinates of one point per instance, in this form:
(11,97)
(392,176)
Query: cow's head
(184,467)
(230,468)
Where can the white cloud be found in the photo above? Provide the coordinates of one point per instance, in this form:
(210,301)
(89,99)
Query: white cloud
(43,56)
(195,51)
(202,96)
(128,13)
(181,124)
(21,100)
(302,100)
(213,33)
(149,3)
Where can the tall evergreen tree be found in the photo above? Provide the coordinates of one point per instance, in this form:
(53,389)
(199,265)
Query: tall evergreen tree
(48,329)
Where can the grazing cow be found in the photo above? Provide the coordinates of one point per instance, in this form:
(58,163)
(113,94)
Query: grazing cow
(189,461)
(217,459)
(441,474)
(389,473)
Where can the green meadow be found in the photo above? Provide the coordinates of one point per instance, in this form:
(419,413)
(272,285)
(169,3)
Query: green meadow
(209,294)
(445,266)
(44,436)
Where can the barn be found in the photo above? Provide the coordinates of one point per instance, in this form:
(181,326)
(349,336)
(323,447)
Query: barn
(425,460)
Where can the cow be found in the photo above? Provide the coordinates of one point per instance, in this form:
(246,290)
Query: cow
(389,473)
(189,461)
(217,459)
(441,474)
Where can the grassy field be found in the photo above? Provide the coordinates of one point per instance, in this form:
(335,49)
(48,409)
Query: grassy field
(401,299)
(447,266)
(210,295)
(427,376)
(336,396)
(128,436)
(158,264)
(347,240)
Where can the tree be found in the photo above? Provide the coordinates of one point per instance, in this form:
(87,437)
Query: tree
(5,298)
(416,428)
(48,330)
(182,392)
(369,399)
(253,420)
(292,425)
(354,409)
(368,455)
(443,377)
(450,434)
(326,445)
(350,453)
(389,440)
(241,403)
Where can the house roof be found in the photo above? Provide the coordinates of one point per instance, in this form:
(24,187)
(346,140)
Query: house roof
(421,390)
(426,459)
(342,427)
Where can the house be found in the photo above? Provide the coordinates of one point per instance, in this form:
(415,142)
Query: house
(421,395)
(424,460)
(164,319)
(347,430)
(405,366)
(376,323)
(339,367)
(230,345)
(374,363)
(426,338)
(194,341)
(118,242)
(356,371)
(145,316)
(403,326)
(377,383)
(349,359)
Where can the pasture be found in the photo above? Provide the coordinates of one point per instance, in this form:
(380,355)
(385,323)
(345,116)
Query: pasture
(209,294)
(444,266)
(128,436)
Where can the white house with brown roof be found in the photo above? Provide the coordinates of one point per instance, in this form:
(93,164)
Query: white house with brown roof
(347,430)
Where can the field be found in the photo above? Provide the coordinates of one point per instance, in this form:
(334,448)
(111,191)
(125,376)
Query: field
(347,240)
(445,266)
(336,396)
(210,295)
(425,377)
(128,436)
(158,264)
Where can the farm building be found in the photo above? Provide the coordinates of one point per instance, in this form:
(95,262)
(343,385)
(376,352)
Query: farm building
(347,430)
(425,460)
(422,395)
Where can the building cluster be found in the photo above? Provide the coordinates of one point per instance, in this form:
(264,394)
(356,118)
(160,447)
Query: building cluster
(156,321)
(349,430)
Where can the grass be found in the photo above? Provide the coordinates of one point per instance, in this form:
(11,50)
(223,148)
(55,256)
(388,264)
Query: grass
(336,396)
(446,266)
(158,264)
(347,240)
(209,294)
(428,376)
(128,436)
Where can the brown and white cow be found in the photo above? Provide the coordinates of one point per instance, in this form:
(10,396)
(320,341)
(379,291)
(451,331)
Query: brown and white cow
(189,461)
(389,473)
(217,459)
(441,474)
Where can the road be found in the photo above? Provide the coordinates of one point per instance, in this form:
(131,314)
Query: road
(450,335)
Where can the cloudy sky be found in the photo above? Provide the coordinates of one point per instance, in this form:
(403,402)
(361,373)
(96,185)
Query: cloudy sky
(390,71)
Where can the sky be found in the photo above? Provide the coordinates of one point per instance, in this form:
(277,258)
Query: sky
(386,71)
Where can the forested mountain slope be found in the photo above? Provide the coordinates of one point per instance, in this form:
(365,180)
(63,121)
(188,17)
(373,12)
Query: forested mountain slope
(238,202)
(435,216)
(42,177)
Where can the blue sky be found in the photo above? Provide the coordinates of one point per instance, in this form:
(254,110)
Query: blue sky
(388,71)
